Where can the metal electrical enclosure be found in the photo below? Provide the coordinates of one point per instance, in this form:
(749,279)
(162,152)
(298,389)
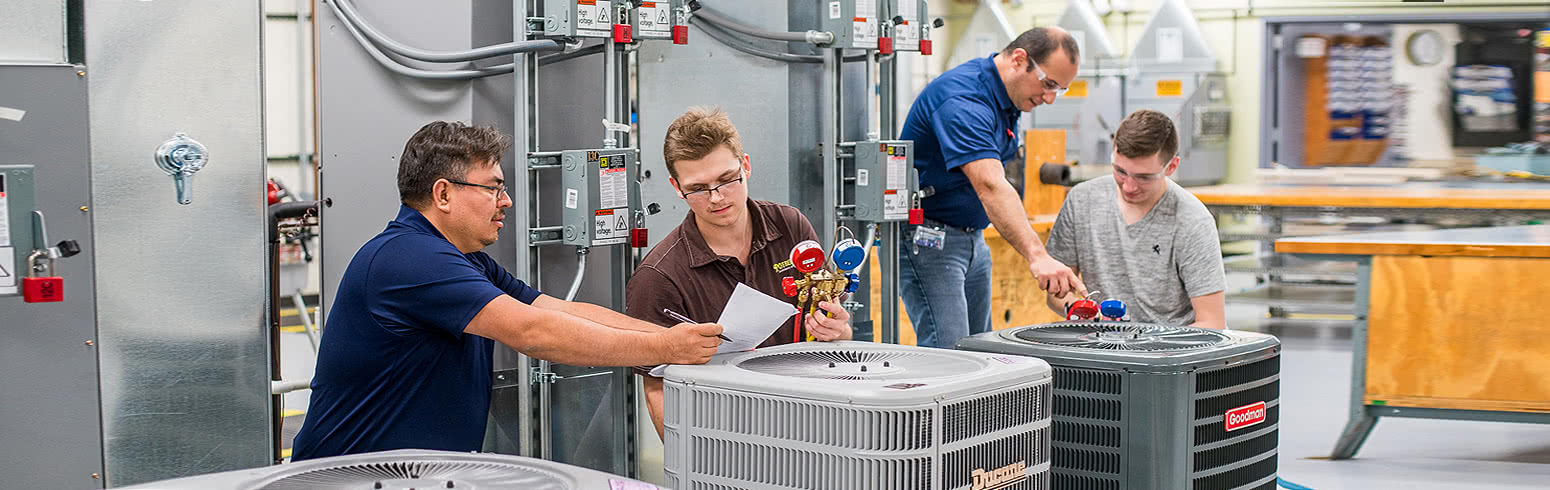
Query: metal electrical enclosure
(51,419)
(855,23)
(915,23)
(654,20)
(885,180)
(599,204)
(579,18)
(16,240)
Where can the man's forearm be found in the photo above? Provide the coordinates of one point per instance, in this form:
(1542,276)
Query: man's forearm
(1006,212)
(604,316)
(572,339)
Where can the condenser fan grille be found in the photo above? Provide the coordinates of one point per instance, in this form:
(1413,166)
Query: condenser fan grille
(1122,336)
(862,364)
(420,474)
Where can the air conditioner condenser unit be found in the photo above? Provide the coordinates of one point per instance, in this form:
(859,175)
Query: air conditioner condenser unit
(858,415)
(409,468)
(1148,406)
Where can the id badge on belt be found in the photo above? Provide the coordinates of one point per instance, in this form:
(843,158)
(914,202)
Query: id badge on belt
(928,236)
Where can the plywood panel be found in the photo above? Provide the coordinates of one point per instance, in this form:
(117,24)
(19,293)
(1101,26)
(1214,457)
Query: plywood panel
(1042,146)
(1459,330)
(1372,197)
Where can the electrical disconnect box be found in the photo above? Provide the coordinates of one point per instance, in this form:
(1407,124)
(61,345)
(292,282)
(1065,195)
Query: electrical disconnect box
(885,180)
(855,23)
(15,225)
(910,25)
(601,203)
(581,18)
(654,20)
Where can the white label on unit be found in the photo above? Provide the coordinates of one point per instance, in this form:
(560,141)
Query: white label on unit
(12,114)
(593,17)
(570,198)
(834,10)
(7,275)
(610,226)
(654,18)
(1170,45)
(613,186)
(864,25)
(896,176)
(1310,47)
(863,177)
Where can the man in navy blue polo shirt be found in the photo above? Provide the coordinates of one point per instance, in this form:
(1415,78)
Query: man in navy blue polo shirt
(964,125)
(406,359)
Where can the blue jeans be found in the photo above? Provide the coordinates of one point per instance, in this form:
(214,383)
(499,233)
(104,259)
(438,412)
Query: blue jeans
(947,291)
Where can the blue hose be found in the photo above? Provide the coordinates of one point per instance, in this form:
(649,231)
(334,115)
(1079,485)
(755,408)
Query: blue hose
(1289,485)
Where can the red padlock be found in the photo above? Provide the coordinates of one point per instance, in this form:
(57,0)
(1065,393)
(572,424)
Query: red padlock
(807,256)
(621,33)
(925,47)
(917,216)
(638,237)
(788,285)
(680,34)
(1083,309)
(885,45)
(42,289)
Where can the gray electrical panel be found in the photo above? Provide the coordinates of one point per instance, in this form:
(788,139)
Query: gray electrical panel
(599,202)
(855,23)
(914,25)
(655,20)
(15,225)
(885,180)
(581,18)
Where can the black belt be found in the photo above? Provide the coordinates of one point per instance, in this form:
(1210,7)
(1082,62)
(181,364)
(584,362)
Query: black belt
(938,224)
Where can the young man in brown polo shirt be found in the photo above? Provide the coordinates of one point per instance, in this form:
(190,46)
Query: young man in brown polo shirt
(726,239)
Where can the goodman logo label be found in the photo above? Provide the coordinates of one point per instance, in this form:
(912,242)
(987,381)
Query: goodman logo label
(1244,416)
(1002,477)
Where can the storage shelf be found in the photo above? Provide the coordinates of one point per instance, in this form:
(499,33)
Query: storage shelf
(1301,297)
(1282,264)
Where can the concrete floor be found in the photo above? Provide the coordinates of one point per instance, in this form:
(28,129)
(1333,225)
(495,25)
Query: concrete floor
(1410,454)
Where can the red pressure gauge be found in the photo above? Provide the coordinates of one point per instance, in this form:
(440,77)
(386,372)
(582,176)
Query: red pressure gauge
(807,256)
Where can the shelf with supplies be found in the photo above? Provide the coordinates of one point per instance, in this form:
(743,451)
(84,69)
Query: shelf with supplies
(1286,265)
(1301,298)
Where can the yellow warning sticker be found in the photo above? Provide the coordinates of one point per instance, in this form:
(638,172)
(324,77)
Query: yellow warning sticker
(1078,89)
(1170,88)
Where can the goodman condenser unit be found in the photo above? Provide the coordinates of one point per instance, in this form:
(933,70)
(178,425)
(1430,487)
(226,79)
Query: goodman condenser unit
(409,468)
(858,415)
(1148,406)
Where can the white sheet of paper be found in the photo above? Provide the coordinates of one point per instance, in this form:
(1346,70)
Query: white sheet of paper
(749,317)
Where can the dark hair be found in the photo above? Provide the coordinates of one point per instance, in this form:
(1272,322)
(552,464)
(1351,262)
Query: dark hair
(1041,42)
(445,150)
(1145,133)
(697,133)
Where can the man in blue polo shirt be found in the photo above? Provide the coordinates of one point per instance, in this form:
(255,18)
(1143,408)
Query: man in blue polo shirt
(406,359)
(964,125)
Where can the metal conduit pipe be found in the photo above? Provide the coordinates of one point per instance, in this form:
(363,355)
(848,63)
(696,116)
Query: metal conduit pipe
(722,21)
(351,16)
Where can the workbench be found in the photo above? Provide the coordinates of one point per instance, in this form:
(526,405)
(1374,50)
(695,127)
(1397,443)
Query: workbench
(1289,284)
(1450,324)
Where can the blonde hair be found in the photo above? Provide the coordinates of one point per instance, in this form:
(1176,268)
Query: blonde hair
(697,133)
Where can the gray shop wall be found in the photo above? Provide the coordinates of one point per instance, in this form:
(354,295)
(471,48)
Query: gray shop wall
(50,426)
(181,302)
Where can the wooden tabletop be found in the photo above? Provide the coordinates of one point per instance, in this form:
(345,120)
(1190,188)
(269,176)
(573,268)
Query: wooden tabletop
(1503,241)
(1455,196)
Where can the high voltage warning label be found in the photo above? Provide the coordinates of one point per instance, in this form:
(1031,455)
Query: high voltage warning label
(610,226)
(593,18)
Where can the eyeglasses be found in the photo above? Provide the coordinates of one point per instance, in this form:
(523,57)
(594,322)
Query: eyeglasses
(1139,178)
(702,194)
(1049,85)
(499,190)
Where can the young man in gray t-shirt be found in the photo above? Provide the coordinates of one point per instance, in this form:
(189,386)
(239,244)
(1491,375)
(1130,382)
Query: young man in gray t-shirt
(1141,238)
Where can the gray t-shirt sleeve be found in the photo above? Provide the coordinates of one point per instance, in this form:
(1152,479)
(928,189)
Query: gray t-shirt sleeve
(1199,254)
(1062,244)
